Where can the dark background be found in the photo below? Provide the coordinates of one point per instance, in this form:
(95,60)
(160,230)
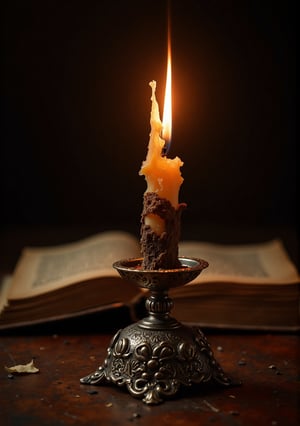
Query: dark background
(75,108)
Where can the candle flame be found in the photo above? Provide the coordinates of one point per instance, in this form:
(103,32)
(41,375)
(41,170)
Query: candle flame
(167,115)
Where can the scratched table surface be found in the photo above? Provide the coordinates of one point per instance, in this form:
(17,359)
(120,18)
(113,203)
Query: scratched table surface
(266,364)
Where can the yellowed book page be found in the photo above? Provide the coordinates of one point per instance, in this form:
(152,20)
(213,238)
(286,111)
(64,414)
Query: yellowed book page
(4,289)
(252,263)
(40,270)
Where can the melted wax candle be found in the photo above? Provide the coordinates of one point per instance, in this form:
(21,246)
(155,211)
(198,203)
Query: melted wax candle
(162,174)
(161,213)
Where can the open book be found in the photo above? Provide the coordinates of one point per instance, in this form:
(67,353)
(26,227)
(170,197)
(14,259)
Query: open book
(253,286)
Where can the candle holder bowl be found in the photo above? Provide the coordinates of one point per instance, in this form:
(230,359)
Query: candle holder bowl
(157,356)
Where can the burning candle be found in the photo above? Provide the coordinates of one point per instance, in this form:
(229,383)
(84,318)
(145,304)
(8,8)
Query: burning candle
(162,174)
(161,213)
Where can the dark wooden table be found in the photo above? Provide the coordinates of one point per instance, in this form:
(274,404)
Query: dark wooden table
(267,365)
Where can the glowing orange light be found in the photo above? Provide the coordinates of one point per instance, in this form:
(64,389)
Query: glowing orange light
(167,115)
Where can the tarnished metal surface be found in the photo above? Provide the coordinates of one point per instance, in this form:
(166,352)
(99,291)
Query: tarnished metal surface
(154,364)
(156,356)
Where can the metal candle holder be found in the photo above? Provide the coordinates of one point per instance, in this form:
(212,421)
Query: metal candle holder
(157,355)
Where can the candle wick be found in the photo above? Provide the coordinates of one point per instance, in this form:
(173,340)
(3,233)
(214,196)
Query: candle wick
(166,148)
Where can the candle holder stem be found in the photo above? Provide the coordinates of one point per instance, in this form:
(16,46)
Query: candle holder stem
(157,355)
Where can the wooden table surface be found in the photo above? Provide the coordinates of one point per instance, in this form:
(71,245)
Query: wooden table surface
(267,365)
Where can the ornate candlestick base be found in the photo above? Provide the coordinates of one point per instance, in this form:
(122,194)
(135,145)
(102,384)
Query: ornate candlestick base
(154,357)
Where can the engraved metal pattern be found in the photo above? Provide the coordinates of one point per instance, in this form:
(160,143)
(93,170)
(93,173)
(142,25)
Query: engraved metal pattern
(154,364)
(154,357)
(161,279)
